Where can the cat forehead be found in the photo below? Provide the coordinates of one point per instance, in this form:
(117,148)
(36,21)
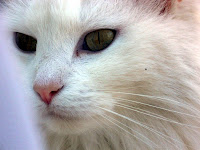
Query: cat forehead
(78,8)
(65,7)
(67,13)
(72,7)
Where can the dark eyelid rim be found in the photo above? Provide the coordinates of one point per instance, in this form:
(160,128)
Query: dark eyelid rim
(25,34)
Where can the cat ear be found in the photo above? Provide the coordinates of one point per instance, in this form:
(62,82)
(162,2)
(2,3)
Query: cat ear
(181,9)
(166,6)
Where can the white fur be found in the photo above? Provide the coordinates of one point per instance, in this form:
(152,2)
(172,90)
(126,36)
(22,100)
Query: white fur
(151,69)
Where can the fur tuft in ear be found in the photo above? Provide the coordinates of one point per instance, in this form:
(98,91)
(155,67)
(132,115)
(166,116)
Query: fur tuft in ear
(185,9)
(159,7)
(167,4)
(179,9)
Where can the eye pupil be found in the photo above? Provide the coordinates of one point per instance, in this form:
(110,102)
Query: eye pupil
(99,40)
(25,43)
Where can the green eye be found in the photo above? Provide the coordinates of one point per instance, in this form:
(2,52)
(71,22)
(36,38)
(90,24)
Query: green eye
(25,43)
(99,39)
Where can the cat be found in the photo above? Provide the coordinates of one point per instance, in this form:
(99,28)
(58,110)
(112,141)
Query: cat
(110,74)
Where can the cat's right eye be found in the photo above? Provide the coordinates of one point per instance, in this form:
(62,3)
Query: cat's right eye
(25,42)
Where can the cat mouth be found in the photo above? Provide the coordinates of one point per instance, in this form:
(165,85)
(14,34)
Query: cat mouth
(60,116)
(63,115)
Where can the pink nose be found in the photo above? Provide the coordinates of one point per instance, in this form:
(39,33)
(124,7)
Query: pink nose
(47,92)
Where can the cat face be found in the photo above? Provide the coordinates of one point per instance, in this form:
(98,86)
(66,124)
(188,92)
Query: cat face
(73,88)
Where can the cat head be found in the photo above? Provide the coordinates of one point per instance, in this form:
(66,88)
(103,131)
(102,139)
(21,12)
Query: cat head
(80,58)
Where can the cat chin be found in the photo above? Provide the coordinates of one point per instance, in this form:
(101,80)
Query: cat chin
(69,125)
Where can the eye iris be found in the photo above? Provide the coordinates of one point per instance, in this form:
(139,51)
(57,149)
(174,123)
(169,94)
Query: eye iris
(25,43)
(100,39)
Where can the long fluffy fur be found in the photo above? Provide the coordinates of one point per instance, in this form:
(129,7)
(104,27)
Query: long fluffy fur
(142,92)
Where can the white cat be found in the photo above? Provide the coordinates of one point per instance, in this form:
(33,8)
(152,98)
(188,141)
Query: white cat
(110,74)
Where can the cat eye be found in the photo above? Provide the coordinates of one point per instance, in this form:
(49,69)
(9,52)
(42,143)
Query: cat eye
(99,39)
(25,43)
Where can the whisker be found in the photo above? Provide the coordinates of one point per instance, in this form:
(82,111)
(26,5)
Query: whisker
(144,126)
(131,129)
(153,106)
(148,96)
(128,131)
(156,98)
(153,115)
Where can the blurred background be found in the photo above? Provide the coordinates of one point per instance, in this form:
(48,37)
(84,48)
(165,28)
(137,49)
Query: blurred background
(18,130)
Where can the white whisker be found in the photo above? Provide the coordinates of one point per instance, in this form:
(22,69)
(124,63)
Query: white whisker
(144,126)
(128,132)
(156,98)
(153,106)
(153,115)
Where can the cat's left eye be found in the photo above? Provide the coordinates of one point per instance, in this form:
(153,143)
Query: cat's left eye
(99,39)
(25,42)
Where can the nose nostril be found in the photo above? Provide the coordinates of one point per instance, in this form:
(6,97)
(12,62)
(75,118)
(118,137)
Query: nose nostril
(52,93)
(47,93)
